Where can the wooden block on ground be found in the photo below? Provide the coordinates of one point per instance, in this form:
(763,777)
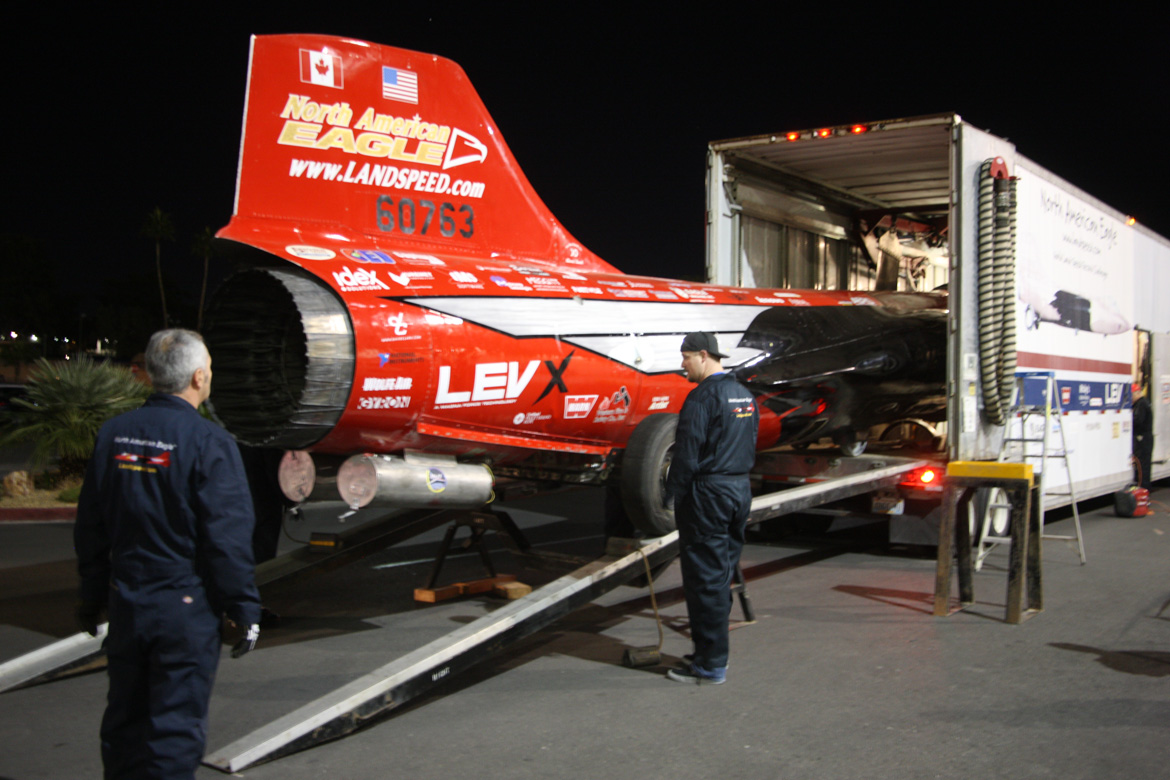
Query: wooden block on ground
(511,590)
(434,595)
(486,585)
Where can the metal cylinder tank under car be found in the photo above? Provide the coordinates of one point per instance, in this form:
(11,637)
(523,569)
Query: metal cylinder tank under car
(413,481)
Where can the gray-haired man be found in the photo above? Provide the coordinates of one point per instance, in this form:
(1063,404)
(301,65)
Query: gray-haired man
(164,542)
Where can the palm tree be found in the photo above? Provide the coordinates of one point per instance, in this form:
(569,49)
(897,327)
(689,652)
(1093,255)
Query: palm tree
(159,227)
(203,246)
(66,405)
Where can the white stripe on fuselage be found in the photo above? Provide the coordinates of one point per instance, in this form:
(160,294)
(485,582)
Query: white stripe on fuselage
(644,335)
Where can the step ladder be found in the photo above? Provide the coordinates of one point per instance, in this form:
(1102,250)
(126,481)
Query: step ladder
(1022,448)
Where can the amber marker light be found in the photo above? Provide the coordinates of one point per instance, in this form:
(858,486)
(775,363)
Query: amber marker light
(792,136)
(824,132)
(859,129)
(1130,221)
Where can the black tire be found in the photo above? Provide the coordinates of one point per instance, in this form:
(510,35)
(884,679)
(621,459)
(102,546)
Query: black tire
(645,464)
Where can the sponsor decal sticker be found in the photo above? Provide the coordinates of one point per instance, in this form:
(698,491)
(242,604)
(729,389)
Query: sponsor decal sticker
(359,280)
(368,256)
(407,278)
(659,402)
(502,282)
(376,383)
(436,480)
(465,277)
(614,408)
(492,383)
(392,358)
(397,324)
(324,126)
(527,418)
(693,294)
(418,257)
(589,290)
(384,402)
(306,252)
(556,374)
(578,406)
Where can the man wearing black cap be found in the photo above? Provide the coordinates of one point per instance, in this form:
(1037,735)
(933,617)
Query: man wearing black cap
(715,448)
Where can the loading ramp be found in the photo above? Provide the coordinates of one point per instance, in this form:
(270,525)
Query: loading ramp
(388,687)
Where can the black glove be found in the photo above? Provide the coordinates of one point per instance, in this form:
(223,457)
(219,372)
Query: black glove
(246,644)
(88,616)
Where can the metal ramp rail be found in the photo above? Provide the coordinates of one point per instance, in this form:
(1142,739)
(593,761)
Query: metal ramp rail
(82,652)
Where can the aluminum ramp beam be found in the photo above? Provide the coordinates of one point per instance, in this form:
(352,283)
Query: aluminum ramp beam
(349,707)
(832,489)
(54,660)
(81,652)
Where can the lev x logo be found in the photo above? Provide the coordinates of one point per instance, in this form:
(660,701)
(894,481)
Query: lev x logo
(557,374)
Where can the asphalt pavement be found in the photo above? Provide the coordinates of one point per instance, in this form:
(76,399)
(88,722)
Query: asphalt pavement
(845,674)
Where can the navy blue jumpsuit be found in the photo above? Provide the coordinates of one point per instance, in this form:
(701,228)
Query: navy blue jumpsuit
(715,448)
(164,539)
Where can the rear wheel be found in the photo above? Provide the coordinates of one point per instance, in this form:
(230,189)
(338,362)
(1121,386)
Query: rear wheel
(645,466)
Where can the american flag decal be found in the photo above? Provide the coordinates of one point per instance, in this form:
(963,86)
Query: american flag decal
(399,84)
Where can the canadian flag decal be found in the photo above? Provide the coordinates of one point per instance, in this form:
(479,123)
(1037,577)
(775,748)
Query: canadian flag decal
(321,68)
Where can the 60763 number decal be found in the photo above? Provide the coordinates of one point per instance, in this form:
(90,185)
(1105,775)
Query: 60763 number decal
(404,216)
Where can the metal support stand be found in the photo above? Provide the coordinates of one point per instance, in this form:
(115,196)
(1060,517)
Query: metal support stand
(479,524)
(1024,592)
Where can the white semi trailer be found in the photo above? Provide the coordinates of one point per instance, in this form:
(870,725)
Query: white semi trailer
(1043,278)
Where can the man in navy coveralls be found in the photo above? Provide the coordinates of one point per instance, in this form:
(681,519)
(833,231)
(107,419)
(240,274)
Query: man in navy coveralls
(164,543)
(714,449)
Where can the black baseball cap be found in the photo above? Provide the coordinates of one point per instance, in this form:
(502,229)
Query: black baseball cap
(699,341)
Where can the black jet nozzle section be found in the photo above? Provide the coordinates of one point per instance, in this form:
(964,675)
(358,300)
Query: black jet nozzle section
(282,350)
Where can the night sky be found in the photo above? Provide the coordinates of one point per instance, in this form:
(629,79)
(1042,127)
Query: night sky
(608,113)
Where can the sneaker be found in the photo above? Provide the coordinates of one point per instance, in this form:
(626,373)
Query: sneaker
(694,674)
(690,659)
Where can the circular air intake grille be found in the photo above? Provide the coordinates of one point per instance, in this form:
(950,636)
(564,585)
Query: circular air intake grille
(282,354)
